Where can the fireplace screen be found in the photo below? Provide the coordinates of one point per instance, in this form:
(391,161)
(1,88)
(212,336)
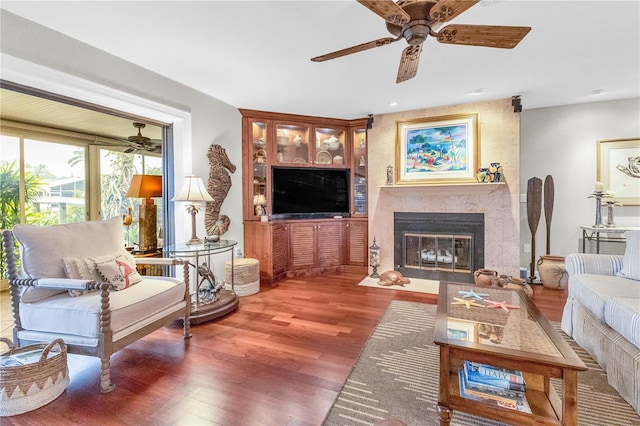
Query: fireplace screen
(442,252)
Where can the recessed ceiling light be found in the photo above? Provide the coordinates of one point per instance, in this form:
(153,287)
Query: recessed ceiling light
(477,92)
(392,104)
(597,92)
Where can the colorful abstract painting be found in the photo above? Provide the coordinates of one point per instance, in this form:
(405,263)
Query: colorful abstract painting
(437,149)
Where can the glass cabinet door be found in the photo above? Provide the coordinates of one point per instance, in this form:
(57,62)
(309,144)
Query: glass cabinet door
(260,167)
(292,143)
(359,167)
(330,147)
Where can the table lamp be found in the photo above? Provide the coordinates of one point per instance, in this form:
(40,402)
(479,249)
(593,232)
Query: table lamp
(146,187)
(193,190)
(259,202)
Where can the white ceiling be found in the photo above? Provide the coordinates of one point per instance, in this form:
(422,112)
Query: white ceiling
(257,54)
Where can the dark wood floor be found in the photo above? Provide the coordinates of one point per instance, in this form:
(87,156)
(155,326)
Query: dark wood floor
(281,359)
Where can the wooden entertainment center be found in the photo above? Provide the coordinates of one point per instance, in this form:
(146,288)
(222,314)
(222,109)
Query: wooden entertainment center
(294,246)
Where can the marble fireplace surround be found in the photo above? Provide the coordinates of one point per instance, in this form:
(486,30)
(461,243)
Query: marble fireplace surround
(499,138)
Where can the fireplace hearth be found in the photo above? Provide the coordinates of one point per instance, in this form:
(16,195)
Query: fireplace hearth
(439,246)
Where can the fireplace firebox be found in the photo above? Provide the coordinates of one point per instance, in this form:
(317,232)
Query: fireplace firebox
(439,246)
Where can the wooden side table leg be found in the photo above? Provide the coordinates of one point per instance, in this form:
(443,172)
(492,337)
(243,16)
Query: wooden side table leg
(444,414)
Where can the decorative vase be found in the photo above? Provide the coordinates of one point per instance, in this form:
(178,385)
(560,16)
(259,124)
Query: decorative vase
(495,171)
(484,277)
(552,272)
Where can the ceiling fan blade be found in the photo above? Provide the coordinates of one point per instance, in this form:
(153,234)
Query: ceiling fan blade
(387,10)
(409,63)
(354,49)
(446,10)
(483,35)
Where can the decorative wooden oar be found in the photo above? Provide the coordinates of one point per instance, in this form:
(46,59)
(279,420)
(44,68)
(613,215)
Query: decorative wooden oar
(548,208)
(534,208)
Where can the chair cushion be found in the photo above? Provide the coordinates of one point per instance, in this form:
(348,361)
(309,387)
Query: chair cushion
(630,263)
(43,247)
(81,315)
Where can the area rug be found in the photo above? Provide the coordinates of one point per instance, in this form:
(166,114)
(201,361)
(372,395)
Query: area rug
(396,376)
(418,285)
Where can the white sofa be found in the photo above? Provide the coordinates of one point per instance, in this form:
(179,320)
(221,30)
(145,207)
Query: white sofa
(602,313)
(75,282)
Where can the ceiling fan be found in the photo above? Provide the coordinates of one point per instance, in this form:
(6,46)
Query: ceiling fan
(138,141)
(415,20)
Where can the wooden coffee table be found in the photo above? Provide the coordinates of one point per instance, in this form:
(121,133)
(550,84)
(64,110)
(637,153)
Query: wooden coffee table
(520,339)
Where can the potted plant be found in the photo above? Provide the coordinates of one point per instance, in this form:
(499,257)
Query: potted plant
(10,203)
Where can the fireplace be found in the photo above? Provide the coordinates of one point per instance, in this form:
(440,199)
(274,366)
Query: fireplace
(439,246)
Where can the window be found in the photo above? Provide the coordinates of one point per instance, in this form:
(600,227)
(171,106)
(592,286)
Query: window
(47,179)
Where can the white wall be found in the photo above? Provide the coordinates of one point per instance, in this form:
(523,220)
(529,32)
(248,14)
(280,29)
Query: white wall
(211,121)
(561,142)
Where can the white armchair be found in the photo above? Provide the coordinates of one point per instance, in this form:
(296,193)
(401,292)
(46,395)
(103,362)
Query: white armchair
(77,283)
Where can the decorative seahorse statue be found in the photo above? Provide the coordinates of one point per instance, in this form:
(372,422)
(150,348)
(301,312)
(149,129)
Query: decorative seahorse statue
(218,187)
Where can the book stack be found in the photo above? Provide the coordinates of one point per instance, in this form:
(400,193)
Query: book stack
(493,385)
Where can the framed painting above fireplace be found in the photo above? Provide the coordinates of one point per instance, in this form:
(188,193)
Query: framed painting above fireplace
(437,150)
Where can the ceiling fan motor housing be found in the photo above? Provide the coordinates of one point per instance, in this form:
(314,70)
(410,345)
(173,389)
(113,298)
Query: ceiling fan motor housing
(417,30)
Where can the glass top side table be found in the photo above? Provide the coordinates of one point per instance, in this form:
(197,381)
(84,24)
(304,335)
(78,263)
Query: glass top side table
(590,232)
(201,255)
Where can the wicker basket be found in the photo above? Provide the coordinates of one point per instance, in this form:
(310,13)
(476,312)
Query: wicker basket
(26,387)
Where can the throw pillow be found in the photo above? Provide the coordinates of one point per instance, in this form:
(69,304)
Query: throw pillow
(118,271)
(630,263)
(81,269)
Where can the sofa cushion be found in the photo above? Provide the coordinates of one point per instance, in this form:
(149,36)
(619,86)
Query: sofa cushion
(631,262)
(623,315)
(81,315)
(593,291)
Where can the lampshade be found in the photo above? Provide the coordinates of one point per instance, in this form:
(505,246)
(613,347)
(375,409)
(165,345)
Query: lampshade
(145,186)
(193,190)
(259,200)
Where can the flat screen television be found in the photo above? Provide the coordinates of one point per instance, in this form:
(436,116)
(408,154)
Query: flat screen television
(309,193)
